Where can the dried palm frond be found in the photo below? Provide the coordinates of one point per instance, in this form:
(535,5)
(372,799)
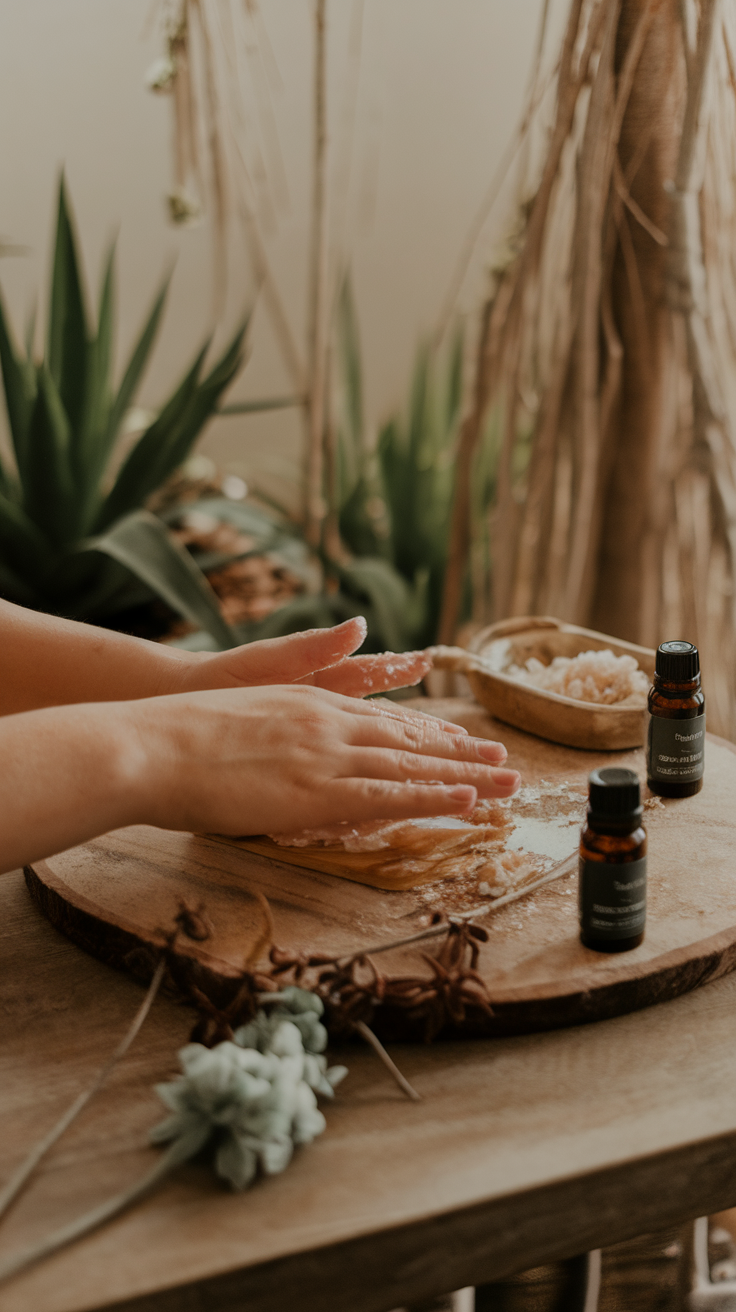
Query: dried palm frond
(607,351)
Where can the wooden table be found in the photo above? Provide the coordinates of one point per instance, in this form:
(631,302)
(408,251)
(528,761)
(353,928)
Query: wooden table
(523,1150)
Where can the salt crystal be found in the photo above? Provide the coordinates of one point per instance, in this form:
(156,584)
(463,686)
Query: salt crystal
(591,676)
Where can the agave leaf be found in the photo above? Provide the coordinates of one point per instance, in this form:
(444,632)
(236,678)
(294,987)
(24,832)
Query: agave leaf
(318,611)
(48,488)
(204,403)
(90,454)
(18,397)
(135,366)
(23,550)
(68,334)
(357,528)
(352,377)
(454,389)
(145,546)
(167,443)
(140,473)
(14,588)
(387,592)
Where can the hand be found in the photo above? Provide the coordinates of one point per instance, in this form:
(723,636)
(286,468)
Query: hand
(319,657)
(272,759)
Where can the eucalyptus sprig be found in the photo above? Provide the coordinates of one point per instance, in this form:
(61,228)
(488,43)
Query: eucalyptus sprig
(246,1107)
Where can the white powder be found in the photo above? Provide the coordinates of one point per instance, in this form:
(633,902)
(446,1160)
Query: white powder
(550,837)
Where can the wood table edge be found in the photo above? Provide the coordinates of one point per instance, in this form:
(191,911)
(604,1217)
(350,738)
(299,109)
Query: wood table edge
(483,1242)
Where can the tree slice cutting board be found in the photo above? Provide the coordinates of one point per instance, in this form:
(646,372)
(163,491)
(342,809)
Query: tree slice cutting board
(121,892)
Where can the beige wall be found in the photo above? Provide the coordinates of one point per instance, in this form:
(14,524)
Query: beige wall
(441,86)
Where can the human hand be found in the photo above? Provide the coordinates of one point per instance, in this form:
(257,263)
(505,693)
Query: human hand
(265,760)
(319,657)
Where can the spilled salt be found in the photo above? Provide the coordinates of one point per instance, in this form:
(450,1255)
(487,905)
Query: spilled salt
(548,837)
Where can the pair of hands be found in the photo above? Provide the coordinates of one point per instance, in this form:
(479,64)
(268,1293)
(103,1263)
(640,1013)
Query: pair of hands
(273,736)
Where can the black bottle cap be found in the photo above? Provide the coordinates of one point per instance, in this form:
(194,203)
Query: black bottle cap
(677,662)
(614,794)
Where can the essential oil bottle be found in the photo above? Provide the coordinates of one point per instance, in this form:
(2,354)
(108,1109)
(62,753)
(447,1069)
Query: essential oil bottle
(612,894)
(676,732)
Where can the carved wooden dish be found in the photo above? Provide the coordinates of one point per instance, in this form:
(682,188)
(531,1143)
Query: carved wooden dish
(550,714)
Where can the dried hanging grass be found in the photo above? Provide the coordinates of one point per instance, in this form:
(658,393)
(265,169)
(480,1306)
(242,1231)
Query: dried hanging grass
(227,159)
(607,350)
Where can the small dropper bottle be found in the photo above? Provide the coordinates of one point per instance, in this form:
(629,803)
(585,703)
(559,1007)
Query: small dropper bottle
(612,894)
(676,734)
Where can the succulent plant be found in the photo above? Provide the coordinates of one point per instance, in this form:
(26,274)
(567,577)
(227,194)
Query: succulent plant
(73,539)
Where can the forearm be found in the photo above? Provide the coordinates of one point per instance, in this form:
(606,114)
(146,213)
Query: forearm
(69,773)
(46,661)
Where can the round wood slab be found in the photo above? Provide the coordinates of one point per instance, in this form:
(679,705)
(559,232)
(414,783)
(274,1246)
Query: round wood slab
(121,892)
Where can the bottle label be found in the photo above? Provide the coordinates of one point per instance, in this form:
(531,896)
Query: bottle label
(675,749)
(612,898)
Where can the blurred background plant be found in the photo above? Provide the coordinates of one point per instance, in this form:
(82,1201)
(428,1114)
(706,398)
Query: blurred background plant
(76,537)
(387,508)
(372,509)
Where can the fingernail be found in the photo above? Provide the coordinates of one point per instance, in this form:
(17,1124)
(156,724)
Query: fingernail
(463,793)
(490,751)
(360,620)
(508,779)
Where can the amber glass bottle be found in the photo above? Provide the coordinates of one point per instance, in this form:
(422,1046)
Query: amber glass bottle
(612,895)
(676,732)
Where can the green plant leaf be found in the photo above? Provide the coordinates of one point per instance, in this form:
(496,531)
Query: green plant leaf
(68,334)
(22,548)
(388,594)
(14,588)
(352,372)
(136,365)
(318,611)
(166,444)
(18,397)
(454,386)
(145,546)
(90,448)
(48,488)
(139,474)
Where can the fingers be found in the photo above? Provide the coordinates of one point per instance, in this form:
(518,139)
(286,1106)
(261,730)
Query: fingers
(395,711)
(381,799)
(377,763)
(360,676)
(280,660)
(426,736)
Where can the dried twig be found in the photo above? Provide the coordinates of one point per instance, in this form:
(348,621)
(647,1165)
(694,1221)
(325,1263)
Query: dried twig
(390,1065)
(37,1153)
(562,868)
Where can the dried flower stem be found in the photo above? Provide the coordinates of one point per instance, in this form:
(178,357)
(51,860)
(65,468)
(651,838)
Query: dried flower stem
(92,1220)
(565,867)
(391,1066)
(28,1166)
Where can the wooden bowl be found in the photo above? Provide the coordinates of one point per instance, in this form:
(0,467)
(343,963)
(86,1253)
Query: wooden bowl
(549,714)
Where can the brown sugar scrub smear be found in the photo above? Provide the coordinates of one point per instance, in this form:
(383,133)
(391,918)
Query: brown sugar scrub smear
(676,730)
(613,864)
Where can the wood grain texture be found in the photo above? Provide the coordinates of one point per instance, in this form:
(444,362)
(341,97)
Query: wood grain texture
(523,1150)
(122,890)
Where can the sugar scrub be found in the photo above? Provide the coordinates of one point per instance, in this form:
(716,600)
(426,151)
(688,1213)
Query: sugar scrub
(591,676)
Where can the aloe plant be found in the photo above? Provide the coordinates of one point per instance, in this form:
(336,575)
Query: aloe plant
(392,504)
(72,539)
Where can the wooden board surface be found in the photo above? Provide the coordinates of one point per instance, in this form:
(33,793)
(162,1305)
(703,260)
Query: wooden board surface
(523,1150)
(123,889)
